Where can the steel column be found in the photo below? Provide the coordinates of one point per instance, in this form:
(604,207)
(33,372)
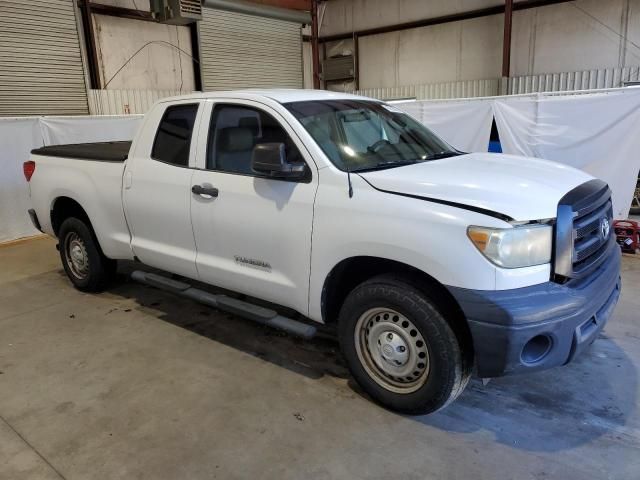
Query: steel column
(315,53)
(356,62)
(92,50)
(506,43)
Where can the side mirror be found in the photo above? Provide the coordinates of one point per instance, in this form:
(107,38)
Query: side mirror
(271,159)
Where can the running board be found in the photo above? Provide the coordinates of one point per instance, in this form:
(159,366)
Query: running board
(241,308)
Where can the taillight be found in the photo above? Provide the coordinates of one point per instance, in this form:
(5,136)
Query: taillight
(28,168)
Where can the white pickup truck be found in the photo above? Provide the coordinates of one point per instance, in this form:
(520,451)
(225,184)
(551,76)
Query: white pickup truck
(431,262)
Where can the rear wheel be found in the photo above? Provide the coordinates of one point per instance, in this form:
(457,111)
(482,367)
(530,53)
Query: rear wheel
(399,347)
(83,261)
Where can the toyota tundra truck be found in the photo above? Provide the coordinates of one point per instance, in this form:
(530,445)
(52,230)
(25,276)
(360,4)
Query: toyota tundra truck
(431,263)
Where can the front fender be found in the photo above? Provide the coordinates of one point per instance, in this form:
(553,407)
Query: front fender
(427,236)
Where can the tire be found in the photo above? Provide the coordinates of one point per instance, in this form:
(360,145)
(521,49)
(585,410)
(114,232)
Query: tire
(83,261)
(387,321)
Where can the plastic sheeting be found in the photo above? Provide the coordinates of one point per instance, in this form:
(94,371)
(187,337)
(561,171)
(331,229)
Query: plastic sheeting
(465,125)
(595,132)
(61,130)
(18,136)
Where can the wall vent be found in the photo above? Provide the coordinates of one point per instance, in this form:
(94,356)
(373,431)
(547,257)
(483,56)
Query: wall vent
(338,68)
(176,12)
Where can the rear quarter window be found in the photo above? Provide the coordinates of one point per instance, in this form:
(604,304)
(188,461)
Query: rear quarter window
(173,138)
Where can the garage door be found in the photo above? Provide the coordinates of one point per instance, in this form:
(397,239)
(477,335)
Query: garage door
(40,63)
(246,51)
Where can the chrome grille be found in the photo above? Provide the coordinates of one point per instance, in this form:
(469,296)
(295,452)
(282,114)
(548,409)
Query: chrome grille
(583,229)
(584,249)
(589,239)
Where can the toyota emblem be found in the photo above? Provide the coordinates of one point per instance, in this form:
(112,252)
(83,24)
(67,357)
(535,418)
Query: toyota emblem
(604,228)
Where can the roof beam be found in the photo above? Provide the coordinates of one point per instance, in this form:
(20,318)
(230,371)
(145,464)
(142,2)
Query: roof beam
(304,5)
(104,9)
(455,17)
(260,10)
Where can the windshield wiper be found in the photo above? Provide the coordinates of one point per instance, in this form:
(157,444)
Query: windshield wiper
(443,154)
(383,165)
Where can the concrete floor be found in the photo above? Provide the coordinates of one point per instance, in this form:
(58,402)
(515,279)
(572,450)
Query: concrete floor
(136,383)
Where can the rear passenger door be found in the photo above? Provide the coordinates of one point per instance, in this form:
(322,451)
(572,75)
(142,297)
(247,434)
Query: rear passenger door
(157,189)
(254,234)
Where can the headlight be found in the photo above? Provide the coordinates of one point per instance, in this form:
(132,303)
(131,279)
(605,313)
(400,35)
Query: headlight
(520,246)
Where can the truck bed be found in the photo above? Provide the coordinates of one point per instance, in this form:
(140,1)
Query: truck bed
(97,151)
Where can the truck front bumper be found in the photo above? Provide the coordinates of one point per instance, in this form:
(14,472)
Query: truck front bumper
(542,326)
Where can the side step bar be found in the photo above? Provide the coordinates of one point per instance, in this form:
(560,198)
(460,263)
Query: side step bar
(247,310)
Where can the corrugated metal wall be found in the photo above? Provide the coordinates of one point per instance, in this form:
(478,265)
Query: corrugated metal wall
(462,89)
(41,70)
(550,82)
(571,81)
(245,51)
(125,102)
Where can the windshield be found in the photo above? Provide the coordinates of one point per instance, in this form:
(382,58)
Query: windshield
(361,135)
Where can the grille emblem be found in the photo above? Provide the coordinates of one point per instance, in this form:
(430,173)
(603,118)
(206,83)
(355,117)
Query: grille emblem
(604,228)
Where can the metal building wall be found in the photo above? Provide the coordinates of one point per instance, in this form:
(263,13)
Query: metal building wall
(126,102)
(570,81)
(157,67)
(434,91)
(581,35)
(246,51)
(547,82)
(41,71)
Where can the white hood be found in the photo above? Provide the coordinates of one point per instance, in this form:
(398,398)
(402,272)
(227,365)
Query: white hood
(522,188)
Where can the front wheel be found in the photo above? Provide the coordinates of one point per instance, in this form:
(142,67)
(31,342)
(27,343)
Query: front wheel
(399,347)
(83,261)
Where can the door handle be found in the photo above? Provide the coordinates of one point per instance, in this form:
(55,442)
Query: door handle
(201,190)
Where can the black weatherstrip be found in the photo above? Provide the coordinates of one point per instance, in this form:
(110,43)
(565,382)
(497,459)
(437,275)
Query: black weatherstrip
(471,208)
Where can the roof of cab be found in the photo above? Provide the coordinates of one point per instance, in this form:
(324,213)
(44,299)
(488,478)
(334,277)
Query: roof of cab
(279,95)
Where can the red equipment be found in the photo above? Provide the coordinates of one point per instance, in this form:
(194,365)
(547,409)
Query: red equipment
(627,235)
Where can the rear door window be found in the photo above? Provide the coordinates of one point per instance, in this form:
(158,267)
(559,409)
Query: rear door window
(173,138)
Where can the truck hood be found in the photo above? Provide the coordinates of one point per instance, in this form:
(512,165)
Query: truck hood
(522,188)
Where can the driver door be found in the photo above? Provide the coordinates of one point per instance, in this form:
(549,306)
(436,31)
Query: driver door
(252,233)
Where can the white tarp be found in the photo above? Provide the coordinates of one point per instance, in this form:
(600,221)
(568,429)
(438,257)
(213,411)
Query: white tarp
(465,125)
(61,130)
(516,122)
(598,133)
(595,132)
(18,136)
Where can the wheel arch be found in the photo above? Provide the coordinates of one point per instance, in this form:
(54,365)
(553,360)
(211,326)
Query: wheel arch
(64,207)
(351,272)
